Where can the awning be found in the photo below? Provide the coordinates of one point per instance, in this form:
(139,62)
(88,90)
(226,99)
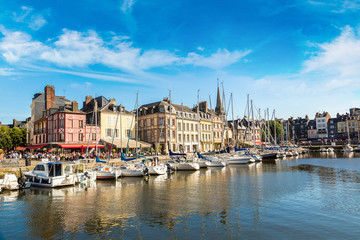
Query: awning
(20,148)
(79,145)
(123,144)
(36,146)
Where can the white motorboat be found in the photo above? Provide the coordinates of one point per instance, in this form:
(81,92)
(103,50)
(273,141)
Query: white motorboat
(154,167)
(107,172)
(133,170)
(50,174)
(213,161)
(82,175)
(9,182)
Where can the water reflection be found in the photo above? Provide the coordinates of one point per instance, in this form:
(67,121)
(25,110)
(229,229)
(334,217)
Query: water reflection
(231,202)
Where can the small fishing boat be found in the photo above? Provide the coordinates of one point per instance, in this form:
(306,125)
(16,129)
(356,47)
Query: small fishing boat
(50,174)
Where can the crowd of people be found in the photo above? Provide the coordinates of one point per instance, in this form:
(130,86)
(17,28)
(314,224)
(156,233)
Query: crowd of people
(68,156)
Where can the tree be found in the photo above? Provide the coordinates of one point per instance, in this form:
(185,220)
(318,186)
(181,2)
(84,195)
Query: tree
(16,137)
(5,139)
(279,130)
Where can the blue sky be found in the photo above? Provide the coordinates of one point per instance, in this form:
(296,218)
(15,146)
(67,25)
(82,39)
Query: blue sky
(297,57)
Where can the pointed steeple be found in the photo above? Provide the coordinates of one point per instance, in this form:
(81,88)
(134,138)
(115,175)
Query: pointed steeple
(219,109)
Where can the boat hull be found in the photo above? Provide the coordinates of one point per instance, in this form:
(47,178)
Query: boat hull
(157,170)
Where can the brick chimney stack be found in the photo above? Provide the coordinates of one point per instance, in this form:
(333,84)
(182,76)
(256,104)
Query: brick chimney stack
(49,97)
(203,106)
(113,101)
(75,106)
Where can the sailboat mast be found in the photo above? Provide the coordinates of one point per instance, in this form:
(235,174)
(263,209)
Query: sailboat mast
(233,121)
(212,123)
(96,107)
(275,128)
(183,126)
(114,134)
(121,139)
(137,122)
(248,115)
(253,125)
(169,120)
(198,116)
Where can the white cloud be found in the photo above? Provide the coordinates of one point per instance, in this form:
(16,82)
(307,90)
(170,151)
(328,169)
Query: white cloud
(126,5)
(339,58)
(338,6)
(218,60)
(78,49)
(200,48)
(6,71)
(34,21)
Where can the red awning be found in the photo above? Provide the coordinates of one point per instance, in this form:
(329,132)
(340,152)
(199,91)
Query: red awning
(20,148)
(36,146)
(77,145)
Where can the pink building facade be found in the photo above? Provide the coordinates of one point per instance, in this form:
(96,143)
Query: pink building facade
(65,127)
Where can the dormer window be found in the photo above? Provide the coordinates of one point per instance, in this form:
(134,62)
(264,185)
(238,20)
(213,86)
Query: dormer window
(161,109)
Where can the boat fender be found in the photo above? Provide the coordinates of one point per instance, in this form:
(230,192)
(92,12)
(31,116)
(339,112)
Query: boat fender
(146,172)
(86,174)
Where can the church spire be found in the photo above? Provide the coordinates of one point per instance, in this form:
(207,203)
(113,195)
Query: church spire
(219,109)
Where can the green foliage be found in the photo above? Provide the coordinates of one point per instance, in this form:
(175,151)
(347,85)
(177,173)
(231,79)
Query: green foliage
(10,138)
(5,139)
(273,125)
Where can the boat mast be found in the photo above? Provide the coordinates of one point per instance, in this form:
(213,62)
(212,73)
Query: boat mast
(233,121)
(96,108)
(212,123)
(253,125)
(113,137)
(275,128)
(198,115)
(183,126)
(121,129)
(248,116)
(169,120)
(137,123)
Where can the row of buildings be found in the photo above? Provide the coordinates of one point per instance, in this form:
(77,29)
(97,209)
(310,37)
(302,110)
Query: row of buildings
(323,128)
(58,122)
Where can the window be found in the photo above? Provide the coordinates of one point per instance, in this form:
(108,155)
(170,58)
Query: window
(109,120)
(196,127)
(39,168)
(168,134)
(173,135)
(70,137)
(108,132)
(81,137)
(128,121)
(81,124)
(62,137)
(145,122)
(71,125)
(188,137)
(161,121)
(61,123)
(128,133)
(192,127)
(187,127)
(179,137)
(179,126)
(168,122)
(173,122)
(152,134)
(192,138)
(161,109)
(93,136)
(152,122)
(197,138)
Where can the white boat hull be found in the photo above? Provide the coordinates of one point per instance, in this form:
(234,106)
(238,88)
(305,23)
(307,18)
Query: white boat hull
(157,170)
(187,166)
(132,173)
(217,164)
(239,160)
(51,182)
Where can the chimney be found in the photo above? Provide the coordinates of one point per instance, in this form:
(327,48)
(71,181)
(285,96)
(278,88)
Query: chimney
(113,101)
(86,106)
(75,106)
(49,97)
(203,106)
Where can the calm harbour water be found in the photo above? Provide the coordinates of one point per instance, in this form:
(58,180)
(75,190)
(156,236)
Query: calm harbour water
(313,196)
